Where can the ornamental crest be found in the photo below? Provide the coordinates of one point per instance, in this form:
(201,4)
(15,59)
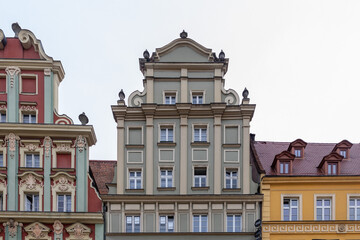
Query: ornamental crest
(12,71)
(80,143)
(78,231)
(47,143)
(63,184)
(58,227)
(2,107)
(30,181)
(37,230)
(11,141)
(28,108)
(62,147)
(12,227)
(31,147)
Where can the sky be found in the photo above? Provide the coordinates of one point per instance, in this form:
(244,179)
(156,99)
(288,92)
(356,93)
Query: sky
(300,60)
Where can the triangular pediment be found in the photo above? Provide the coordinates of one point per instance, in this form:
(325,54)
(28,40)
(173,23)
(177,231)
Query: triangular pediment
(343,144)
(37,230)
(297,143)
(285,155)
(333,157)
(183,50)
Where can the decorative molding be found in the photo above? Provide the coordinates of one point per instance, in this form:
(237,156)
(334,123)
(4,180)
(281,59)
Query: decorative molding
(31,182)
(47,71)
(12,227)
(311,228)
(10,140)
(58,227)
(78,231)
(2,41)
(63,147)
(62,119)
(28,39)
(47,144)
(28,108)
(80,143)
(135,97)
(12,71)
(232,97)
(37,230)
(3,107)
(63,183)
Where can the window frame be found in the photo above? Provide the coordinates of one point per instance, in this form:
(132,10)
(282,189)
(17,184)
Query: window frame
(332,205)
(133,222)
(170,93)
(233,221)
(166,222)
(33,208)
(231,178)
(200,215)
(298,150)
(166,177)
(3,76)
(66,196)
(32,117)
(33,76)
(33,159)
(299,207)
(330,168)
(357,208)
(166,126)
(3,114)
(202,127)
(284,163)
(198,177)
(197,93)
(135,178)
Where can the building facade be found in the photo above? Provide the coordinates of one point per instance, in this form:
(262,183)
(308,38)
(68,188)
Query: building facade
(183,157)
(46,191)
(311,190)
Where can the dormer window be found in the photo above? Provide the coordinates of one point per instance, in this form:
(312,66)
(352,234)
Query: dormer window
(284,167)
(297,148)
(332,168)
(343,148)
(282,163)
(297,153)
(330,164)
(343,153)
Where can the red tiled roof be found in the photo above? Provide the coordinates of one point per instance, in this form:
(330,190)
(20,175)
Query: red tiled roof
(313,155)
(103,172)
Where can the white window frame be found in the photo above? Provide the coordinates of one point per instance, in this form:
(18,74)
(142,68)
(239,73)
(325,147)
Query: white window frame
(30,114)
(33,207)
(34,76)
(284,164)
(197,93)
(166,177)
(66,199)
(134,127)
(166,126)
(200,222)
(197,176)
(135,178)
(132,221)
(233,227)
(292,196)
(357,208)
(167,223)
(2,201)
(57,188)
(232,126)
(169,93)
(200,126)
(331,166)
(231,178)
(345,151)
(32,154)
(332,205)
(297,153)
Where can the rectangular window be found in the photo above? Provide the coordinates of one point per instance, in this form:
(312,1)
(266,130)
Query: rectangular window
(197,98)
(32,202)
(200,134)
(291,209)
(231,178)
(166,178)
(135,180)
(170,98)
(323,209)
(343,153)
(29,118)
(28,84)
(233,223)
(297,153)
(166,134)
(200,223)
(32,160)
(132,223)
(200,177)
(332,168)
(354,209)
(284,167)
(64,203)
(166,223)
(2,160)
(2,117)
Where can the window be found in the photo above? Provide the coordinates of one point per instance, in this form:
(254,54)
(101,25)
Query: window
(291,209)
(197,98)
(231,178)
(166,178)
(29,118)
(28,84)
(200,177)
(166,223)
(200,134)
(135,179)
(170,98)
(233,223)
(200,223)
(284,167)
(297,153)
(2,117)
(132,223)
(32,160)
(354,209)
(64,203)
(166,134)
(332,168)
(1,159)
(343,153)
(323,209)
(32,202)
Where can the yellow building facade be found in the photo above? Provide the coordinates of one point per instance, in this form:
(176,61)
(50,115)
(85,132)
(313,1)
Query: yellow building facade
(311,194)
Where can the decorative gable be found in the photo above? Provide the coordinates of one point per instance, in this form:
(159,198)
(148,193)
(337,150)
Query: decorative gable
(343,148)
(330,164)
(297,148)
(37,230)
(78,231)
(282,163)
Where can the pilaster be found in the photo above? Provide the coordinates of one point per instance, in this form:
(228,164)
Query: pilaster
(12,83)
(246,155)
(183,154)
(217,85)
(48,96)
(81,174)
(184,85)
(47,144)
(217,154)
(149,162)
(120,156)
(149,90)
(12,170)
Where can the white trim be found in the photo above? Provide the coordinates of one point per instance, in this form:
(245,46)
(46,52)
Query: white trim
(166,125)
(200,125)
(238,176)
(299,197)
(166,167)
(207,174)
(134,169)
(3,191)
(166,149)
(351,195)
(232,126)
(170,92)
(197,92)
(226,222)
(232,150)
(332,207)
(36,188)
(24,150)
(134,151)
(134,127)
(32,76)
(201,149)
(31,112)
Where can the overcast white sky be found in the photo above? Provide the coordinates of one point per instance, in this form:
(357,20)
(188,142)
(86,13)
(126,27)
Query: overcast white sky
(299,59)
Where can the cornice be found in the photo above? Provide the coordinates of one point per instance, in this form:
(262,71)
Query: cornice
(310,179)
(52,130)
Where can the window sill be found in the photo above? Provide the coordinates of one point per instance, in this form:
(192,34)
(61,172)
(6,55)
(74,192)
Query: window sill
(166,144)
(134,145)
(231,189)
(166,188)
(30,169)
(63,169)
(200,188)
(203,144)
(2,168)
(231,145)
(140,190)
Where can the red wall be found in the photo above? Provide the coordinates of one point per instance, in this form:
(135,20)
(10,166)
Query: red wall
(94,203)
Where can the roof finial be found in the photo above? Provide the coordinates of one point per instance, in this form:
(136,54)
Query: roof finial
(146,55)
(245,93)
(222,56)
(83,119)
(16,28)
(183,34)
(121,95)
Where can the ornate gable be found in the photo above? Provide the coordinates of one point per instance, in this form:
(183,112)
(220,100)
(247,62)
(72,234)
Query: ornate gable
(78,231)
(37,230)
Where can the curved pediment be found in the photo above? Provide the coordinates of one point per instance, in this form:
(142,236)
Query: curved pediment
(183,50)
(28,39)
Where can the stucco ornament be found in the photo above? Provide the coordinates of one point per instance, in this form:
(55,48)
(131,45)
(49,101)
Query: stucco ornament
(30,182)
(78,231)
(10,140)
(28,108)
(31,147)
(63,184)
(58,227)
(3,107)
(63,147)
(12,71)
(47,143)
(341,227)
(80,143)
(37,230)
(12,227)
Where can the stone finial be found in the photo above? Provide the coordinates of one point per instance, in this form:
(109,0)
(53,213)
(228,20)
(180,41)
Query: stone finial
(245,93)
(222,56)
(146,55)
(183,34)
(121,95)
(83,119)
(16,28)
